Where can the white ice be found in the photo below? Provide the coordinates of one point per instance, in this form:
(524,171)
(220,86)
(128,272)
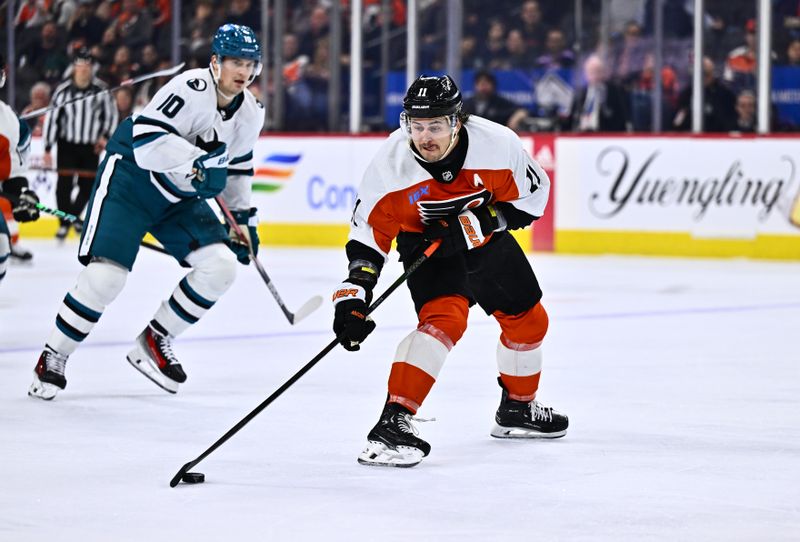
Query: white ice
(680,378)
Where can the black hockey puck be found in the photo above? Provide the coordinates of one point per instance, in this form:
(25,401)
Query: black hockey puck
(193,478)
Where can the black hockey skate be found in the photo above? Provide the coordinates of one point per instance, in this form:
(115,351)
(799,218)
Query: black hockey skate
(518,419)
(153,357)
(48,375)
(393,442)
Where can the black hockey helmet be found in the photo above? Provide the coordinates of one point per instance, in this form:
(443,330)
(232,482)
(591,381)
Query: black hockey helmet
(432,96)
(82,54)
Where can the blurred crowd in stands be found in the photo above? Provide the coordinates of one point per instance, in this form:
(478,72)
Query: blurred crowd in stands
(604,71)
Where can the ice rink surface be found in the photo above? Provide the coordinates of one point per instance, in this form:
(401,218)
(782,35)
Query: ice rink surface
(681,379)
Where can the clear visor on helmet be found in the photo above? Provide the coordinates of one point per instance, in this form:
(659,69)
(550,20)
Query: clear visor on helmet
(216,70)
(416,128)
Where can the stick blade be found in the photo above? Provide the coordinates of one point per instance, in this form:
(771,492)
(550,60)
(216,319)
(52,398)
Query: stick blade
(177,478)
(308,307)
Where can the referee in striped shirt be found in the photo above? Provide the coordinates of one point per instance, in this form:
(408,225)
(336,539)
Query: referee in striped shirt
(79,130)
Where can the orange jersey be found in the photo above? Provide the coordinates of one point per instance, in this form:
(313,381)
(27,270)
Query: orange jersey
(398,194)
(15,141)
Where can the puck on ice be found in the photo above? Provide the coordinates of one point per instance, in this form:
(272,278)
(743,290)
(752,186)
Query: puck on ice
(193,478)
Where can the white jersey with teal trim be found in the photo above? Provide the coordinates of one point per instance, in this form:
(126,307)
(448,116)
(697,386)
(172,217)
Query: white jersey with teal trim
(15,150)
(169,132)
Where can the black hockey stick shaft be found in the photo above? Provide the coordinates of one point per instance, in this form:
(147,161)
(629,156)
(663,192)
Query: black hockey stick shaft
(307,367)
(261,271)
(127,83)
(73,219)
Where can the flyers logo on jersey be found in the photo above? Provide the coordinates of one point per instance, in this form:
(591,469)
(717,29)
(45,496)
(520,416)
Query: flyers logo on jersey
(432,210)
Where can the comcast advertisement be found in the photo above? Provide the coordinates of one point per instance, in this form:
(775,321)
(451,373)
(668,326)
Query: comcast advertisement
(309,179)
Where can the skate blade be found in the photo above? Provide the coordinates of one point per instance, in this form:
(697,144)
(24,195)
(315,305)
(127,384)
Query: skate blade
(145,366)
(378,454)
(522,433)
(42,390)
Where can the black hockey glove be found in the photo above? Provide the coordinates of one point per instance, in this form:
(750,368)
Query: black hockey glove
(351,324)
(464,231)
(211,172)
(248,222)
(23,207)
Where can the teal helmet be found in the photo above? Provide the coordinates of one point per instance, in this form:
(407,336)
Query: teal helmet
(237,41)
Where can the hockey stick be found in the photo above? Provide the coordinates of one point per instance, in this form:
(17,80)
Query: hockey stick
(73,219)
(127,83)
(307,367)
(308,307)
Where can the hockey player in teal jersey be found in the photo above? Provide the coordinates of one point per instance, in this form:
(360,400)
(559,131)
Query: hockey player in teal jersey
(15,142)
(193,141)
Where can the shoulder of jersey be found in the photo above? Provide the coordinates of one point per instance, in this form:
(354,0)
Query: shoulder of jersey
(479,127)
(252,107)
(197,80)
(489,143)
(5,107)
(393,166)
(96,81)
(7,115)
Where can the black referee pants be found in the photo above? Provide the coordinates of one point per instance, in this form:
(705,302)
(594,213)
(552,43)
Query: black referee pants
(77,164)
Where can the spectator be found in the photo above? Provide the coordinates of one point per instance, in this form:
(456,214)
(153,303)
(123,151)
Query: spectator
(39,99)
(517,54)
(678,21)
(122,67)
(740,67)
(557,55)
(433,29)
(601,105)
(494,51)
(630,61)
(162,10)
(124,102)
(531,27)
(640,90)
(201,29)
(318,28)
(85,25)
(793,53)
(745,112)
(318,76)
(243,12)
(31,14)
(470,55)
(104,52)
(490,105)
(294,63)
(133,26)
(148,60)
(62,11)
(719,111)
(44,60)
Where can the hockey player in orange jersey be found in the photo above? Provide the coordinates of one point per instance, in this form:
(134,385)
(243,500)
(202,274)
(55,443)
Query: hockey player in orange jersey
(15,141)
(465,181)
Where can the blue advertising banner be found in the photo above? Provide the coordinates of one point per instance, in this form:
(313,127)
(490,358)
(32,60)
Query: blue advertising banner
(786,93)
